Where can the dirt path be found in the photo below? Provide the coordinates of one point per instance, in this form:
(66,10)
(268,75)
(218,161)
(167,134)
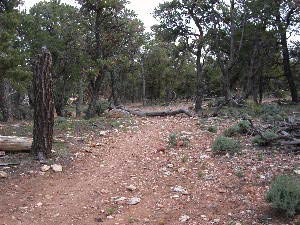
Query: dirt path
(86,192)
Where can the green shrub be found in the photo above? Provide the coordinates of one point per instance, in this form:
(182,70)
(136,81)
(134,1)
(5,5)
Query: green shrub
(172,140)
(224,144)
(231,131)
(268,135)
(212,129)
(242,127)
(284,194)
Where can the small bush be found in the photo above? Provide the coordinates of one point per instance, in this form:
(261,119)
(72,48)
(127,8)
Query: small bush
(212,129)
(172,140)
(268,135)
(242,127)
(231,131)
(284,194)
(224,144)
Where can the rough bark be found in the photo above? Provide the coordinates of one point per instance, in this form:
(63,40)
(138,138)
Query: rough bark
(287,67)
(283,25)
(80,98)
(15,144)
(199,91)
(5,100)
(43,106)
(144,83)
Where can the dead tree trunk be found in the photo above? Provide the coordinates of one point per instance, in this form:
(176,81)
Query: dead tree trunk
(15,144)
(43,106)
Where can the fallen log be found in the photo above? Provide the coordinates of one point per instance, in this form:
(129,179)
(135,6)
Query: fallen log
(15,144)
(156,113)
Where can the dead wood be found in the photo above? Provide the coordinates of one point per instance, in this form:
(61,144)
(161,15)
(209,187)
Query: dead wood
(156,113)
(15,144)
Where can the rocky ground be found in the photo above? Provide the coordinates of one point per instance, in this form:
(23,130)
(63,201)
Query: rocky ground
(133,175)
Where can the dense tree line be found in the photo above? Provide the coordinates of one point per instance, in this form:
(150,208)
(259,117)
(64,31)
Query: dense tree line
(100,51)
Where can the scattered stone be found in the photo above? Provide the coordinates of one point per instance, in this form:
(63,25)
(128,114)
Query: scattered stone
(204,157)
(161,149)
(3,174)
(134,201)
(45,168)
(184,218)
(182,170)
(170,165)
(103,133)
(263,177)
(39,204)
(57,168)
(110,217)
(2,153)
(119,199)
(99,220)
(217,220)
(297,171)
(131,188)
(180,189)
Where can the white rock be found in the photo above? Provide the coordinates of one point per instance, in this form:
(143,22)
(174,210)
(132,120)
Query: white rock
(204,157)
(110,217)
(217,220)
(184,218)
(45,168)
(39,204)
(3,174)
(170,165)
(56,168)
(179,189)
(182,170)
(131,188)
(119,199)
(103,133)
(297,172)
(134,201)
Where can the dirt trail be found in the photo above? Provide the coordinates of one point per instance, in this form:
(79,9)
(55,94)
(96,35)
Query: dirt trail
(84,193)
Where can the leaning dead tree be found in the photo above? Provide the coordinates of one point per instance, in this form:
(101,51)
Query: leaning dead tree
(43,106)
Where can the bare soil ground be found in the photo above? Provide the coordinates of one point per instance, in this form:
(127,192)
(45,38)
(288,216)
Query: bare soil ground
(210,189)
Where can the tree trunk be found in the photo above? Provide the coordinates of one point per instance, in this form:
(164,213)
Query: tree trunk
(199,90)
(5,101)
(282,28)
(287,67)
(80,98)
(43,106)
(92,110)
(144,83)
(114,91)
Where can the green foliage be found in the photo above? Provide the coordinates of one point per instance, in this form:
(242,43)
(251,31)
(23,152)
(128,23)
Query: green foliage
(284,194)
(268,136)
(231,131)
(225,145)
(212,129)
(172,139)
(243,127)
(111,211)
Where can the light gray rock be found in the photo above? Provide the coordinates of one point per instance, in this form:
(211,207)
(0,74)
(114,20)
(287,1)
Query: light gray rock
(134,201)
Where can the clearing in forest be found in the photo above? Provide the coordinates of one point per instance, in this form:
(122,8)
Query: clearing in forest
(142,171)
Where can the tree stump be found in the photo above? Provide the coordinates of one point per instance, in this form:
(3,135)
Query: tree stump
(43,106)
